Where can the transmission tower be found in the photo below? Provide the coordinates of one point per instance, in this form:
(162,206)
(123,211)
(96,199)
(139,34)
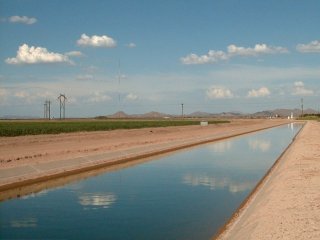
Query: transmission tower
(62,98)
(301,107)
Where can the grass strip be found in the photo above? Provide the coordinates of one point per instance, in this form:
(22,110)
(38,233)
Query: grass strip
(22,128)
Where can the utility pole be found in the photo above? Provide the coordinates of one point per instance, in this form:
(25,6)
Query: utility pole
(119,95)
(62,98)
(182,110)
(47,110)
(301,107)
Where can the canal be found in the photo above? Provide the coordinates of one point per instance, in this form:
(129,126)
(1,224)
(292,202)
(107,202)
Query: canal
(188,194)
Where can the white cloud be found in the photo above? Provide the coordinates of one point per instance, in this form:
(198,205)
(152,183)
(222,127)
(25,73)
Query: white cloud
(312,47)
(34,55)
(22,19)
(74,54)
(3,92)
(256,50)
(131,97)
(300,90)
(298,84)
(98,97)
(29,96)
(3,95)
(21,94)
(131,45)
(85,77)
(215,56)
(216,92)
(96,41)
(211,57)
(261,92)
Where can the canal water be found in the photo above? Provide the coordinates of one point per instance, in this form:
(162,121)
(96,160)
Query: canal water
(189,194)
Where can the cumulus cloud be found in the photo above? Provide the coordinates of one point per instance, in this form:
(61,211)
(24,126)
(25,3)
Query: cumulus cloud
(131,45)
(299,84)
(74,54)
(232,50)
(300,90)
(21,94)
(85,77)
(3,95)
(96,41)
(98,97)
(211,57)
(131,97)
(256,50)
(34,55)
(261,92)
(23,20)
(312,47)
(216,92)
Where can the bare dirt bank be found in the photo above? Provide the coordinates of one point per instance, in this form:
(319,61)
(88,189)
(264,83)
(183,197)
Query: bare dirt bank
(29,159)
(287,203)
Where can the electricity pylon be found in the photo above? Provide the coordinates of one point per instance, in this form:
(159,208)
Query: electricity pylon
(62,98)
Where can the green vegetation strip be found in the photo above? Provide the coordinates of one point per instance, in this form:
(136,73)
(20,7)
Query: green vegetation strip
(310,117)
(21,128)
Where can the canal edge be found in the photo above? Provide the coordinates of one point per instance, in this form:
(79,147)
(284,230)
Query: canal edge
(240,211)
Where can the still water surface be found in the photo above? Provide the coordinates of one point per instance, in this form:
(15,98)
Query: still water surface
(186,195)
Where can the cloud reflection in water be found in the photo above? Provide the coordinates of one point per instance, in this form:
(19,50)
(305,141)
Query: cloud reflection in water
(221,147)
(97,200)
(259,144)
(217,183)
(24,223)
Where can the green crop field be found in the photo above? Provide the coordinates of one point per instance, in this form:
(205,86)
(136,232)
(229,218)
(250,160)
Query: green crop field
(310,117)
(21,128)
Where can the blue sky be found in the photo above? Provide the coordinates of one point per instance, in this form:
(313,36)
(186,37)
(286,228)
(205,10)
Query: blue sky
(213,56)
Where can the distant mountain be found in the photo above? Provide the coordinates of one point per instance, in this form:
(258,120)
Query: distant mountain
(119,114)
(262,114)
(208,115)
(122,114)
(283,112)
(154,115)
(200,114)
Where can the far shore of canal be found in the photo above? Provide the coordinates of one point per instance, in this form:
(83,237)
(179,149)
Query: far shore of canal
(286,204)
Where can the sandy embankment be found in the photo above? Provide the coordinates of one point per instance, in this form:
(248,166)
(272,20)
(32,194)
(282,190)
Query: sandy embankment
(33,157)
(287,203)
